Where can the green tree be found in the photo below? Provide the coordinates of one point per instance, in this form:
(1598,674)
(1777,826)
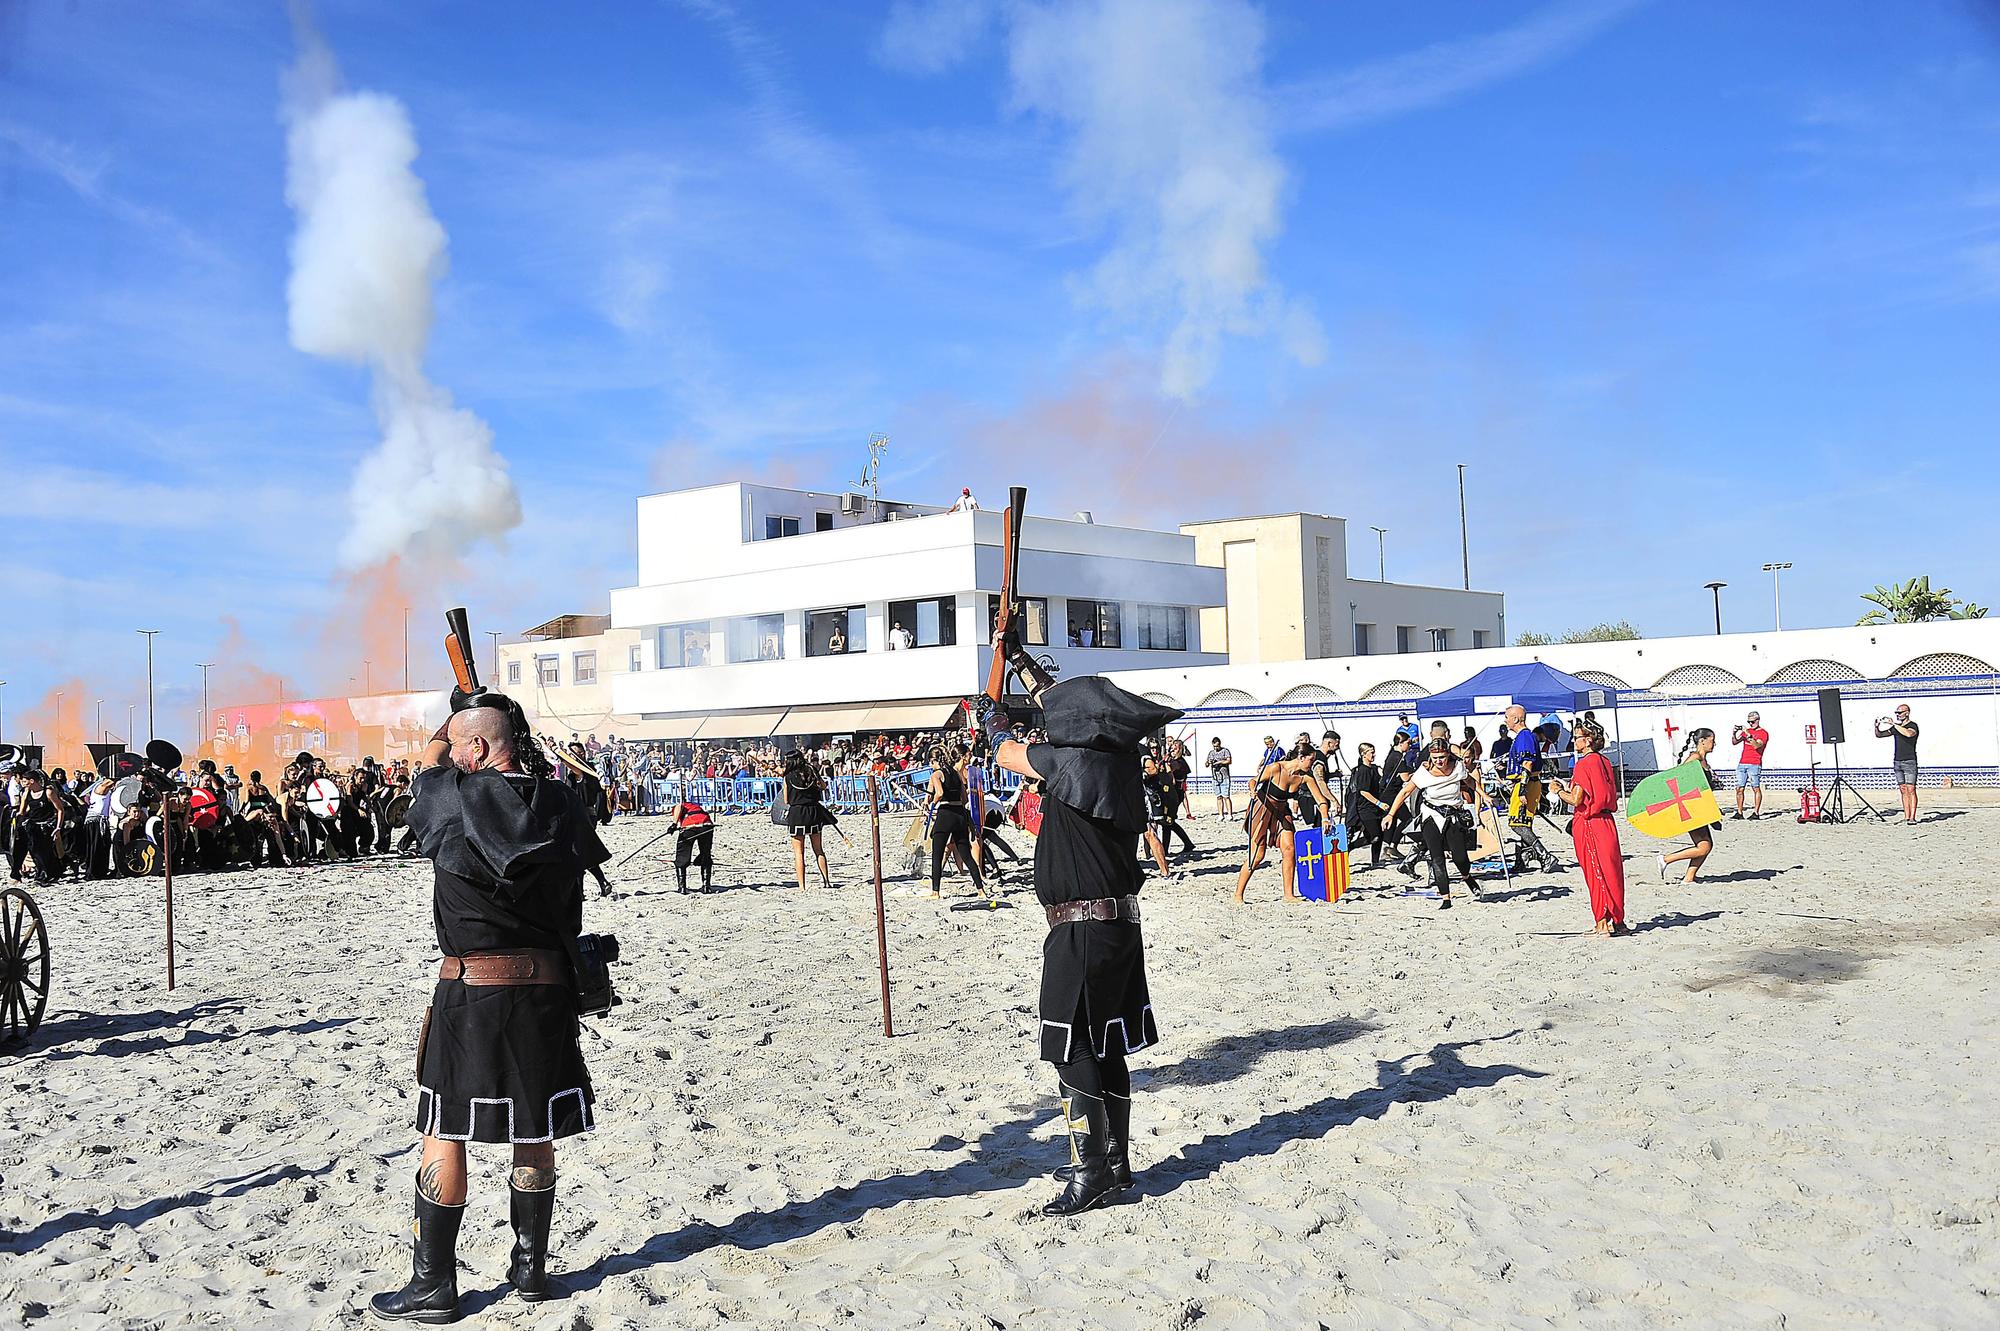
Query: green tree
(1622,631)
(1916,602)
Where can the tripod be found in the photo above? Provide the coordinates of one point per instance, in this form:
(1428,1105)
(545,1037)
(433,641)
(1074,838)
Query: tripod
(1833,808)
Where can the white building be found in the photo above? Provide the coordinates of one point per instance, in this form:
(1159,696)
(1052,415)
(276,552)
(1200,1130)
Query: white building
(1946,671)
(561,672)
(766,611)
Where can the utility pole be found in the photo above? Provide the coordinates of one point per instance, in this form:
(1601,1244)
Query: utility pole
(201,734)
(1777,572)
(100,721)
(406,649)
(1716,587)
(130,726)
(1464,544)
(3,727)
(1381,553)
(494,680)
(150,731)
(55,745)
(367,677)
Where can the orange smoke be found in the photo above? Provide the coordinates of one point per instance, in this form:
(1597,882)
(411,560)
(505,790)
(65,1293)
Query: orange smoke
(363,640)
(62,721)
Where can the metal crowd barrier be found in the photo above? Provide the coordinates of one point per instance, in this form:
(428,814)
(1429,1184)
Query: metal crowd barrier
(901,791)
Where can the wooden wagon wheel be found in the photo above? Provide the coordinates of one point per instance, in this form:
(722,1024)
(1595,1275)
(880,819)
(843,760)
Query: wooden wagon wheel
(24,966)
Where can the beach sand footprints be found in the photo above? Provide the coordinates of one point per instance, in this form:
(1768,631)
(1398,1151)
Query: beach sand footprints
(1798,969)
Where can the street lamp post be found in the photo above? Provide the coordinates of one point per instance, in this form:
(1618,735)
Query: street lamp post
(130,709)
(1777,572)
(100,720)
(201,732)
(367,677)
(1381,553)
(151,731)
(406,649)
(495,666)
(55,746)
(1716,588)
(1464,543)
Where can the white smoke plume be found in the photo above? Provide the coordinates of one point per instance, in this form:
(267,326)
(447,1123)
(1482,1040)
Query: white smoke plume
(1173,148)
(365,258)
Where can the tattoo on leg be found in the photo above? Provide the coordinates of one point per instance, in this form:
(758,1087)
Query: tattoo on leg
(531,1178)
(430,1182)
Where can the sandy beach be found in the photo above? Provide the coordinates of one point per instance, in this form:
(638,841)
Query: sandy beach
(1772,1106)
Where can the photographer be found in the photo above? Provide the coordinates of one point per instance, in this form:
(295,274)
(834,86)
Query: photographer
(1750,763)
(498,1059)
(1904,731)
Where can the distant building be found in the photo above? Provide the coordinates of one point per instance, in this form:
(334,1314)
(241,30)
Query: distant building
(763,611)
(561,673)
(1289,597)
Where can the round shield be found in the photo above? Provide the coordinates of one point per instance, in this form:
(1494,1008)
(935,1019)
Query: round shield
(323,798)
(399,810)
(10,758)
(154,832)
(204,809)
(126,793)
(161,753)
(118,766)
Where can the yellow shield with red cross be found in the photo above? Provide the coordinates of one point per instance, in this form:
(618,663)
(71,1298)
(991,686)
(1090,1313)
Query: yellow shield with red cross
(1669,803)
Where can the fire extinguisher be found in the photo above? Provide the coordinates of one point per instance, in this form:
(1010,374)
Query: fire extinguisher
(1809,804)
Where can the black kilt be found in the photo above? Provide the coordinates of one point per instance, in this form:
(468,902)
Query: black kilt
(801,819)
(1094,990)
(502,1065)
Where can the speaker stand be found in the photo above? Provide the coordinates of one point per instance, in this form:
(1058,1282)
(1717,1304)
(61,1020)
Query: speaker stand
(1833,808)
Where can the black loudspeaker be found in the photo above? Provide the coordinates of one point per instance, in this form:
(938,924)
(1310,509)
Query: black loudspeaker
(1832,729)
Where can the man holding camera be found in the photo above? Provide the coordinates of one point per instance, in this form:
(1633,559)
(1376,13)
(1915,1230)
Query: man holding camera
(1750,763)
(1904,731)
(498,1059)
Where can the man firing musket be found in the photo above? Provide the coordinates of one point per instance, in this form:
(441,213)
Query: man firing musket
(498,1059)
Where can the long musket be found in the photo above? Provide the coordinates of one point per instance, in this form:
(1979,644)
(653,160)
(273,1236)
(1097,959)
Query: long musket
(458,650)
(1010,561)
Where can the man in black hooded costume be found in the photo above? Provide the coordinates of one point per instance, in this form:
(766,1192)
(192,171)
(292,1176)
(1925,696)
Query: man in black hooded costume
(1095,1008)
(499,1060)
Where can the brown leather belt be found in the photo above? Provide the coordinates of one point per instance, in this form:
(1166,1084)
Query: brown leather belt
(526,965)
(1103,910)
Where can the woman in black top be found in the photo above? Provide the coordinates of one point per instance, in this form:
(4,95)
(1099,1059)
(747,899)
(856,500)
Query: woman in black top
(951,821)
(1367,801)
(805,814)
(261,817)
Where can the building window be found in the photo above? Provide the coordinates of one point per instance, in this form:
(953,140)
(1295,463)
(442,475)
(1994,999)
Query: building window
(548,671)
(836,632)
(776,527)
(1403,635)
(757,638)
(583,668)
(1093,623)
(822,521)
(1481,638)
(513,672)
(683,645)
(1362,633)
(1440,640)
(1034,619)
(632,658)
(927,623)
(1162,628)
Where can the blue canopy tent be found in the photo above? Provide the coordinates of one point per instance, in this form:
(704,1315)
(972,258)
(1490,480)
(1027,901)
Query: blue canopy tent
(1532,684)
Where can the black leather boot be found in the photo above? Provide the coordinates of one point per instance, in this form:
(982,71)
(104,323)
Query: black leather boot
(707,877)
(528,1271)
(681,877)
(432,1294)
(1091,1181)
(1118,1112)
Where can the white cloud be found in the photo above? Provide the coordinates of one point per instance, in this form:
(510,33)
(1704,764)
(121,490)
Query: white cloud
(930,36)
(1171,146)
(1438,73)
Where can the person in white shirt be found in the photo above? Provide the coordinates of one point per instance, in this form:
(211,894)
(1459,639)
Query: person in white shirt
(966,503)
(1451,798)
(900,639)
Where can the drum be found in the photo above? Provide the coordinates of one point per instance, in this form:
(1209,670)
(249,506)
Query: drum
(399,810)
(204,809)
(323,798)
(126,794)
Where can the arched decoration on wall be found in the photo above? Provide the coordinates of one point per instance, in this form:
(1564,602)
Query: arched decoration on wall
(1162,699)
(1942,663)
(1227,698)
(1394,688)
(1310,693)
(1818,670)
(1603,677)
(1697,679)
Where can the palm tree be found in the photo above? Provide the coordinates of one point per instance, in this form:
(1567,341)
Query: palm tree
(1916,602)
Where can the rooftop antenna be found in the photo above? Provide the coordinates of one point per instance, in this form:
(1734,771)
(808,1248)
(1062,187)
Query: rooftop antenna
(878,444)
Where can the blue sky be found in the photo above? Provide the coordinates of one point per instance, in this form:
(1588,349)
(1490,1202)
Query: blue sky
(1689,286)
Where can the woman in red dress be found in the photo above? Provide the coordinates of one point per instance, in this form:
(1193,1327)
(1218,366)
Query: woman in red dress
(1593,793)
